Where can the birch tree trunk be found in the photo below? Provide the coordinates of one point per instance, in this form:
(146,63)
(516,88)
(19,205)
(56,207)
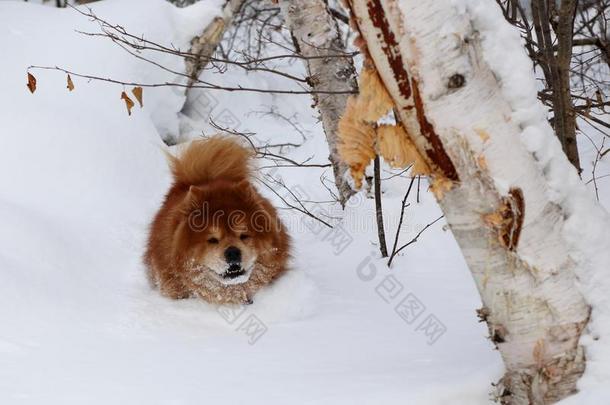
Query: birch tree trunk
(316,34)
(492,190)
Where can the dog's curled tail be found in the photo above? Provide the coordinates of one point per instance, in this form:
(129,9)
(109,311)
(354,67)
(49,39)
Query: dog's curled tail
(209,159)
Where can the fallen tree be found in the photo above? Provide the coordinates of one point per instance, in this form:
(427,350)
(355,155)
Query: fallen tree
(204,45)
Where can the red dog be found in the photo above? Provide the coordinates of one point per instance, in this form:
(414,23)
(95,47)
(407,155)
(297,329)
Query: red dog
(215,236)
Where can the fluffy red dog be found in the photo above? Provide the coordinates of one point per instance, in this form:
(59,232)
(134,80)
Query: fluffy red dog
(215,236)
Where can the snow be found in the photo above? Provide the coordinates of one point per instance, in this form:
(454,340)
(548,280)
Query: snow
(587,223)
(80,181)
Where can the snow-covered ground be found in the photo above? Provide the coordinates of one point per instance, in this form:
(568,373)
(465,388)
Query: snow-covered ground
(79,183)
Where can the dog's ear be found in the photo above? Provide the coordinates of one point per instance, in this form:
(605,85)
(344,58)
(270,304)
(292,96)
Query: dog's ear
(263,218)
(249,192)
(194,193)
(194,199)
(194,209)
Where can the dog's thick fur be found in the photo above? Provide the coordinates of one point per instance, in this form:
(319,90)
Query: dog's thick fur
(210,208)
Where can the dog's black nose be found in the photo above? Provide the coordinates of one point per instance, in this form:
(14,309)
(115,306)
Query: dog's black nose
(233,254)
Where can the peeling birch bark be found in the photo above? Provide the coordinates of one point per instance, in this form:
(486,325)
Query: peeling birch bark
(492,192)
(316,34)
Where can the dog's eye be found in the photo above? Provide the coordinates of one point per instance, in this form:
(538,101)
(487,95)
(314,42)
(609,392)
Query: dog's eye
(213,240)
(244,236)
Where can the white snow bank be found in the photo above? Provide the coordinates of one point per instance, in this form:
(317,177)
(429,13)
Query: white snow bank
(62,46)
(587,224)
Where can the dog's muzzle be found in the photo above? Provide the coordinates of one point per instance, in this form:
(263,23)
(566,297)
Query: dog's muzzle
(234,271)
(233,258)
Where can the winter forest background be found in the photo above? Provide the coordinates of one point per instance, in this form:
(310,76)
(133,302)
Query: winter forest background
(493,167)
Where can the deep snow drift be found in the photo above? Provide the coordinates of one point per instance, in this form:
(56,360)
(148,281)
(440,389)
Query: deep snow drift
(80,181)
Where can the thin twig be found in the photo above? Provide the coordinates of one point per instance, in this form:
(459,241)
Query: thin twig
(402,214)
(378,208)
(414,239)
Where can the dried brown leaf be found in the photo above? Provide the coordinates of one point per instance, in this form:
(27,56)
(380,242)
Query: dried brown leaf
(128,102)
(137,92)
(70,85)
(31,83)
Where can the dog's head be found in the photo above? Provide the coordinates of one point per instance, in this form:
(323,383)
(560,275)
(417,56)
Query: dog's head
(226,227)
